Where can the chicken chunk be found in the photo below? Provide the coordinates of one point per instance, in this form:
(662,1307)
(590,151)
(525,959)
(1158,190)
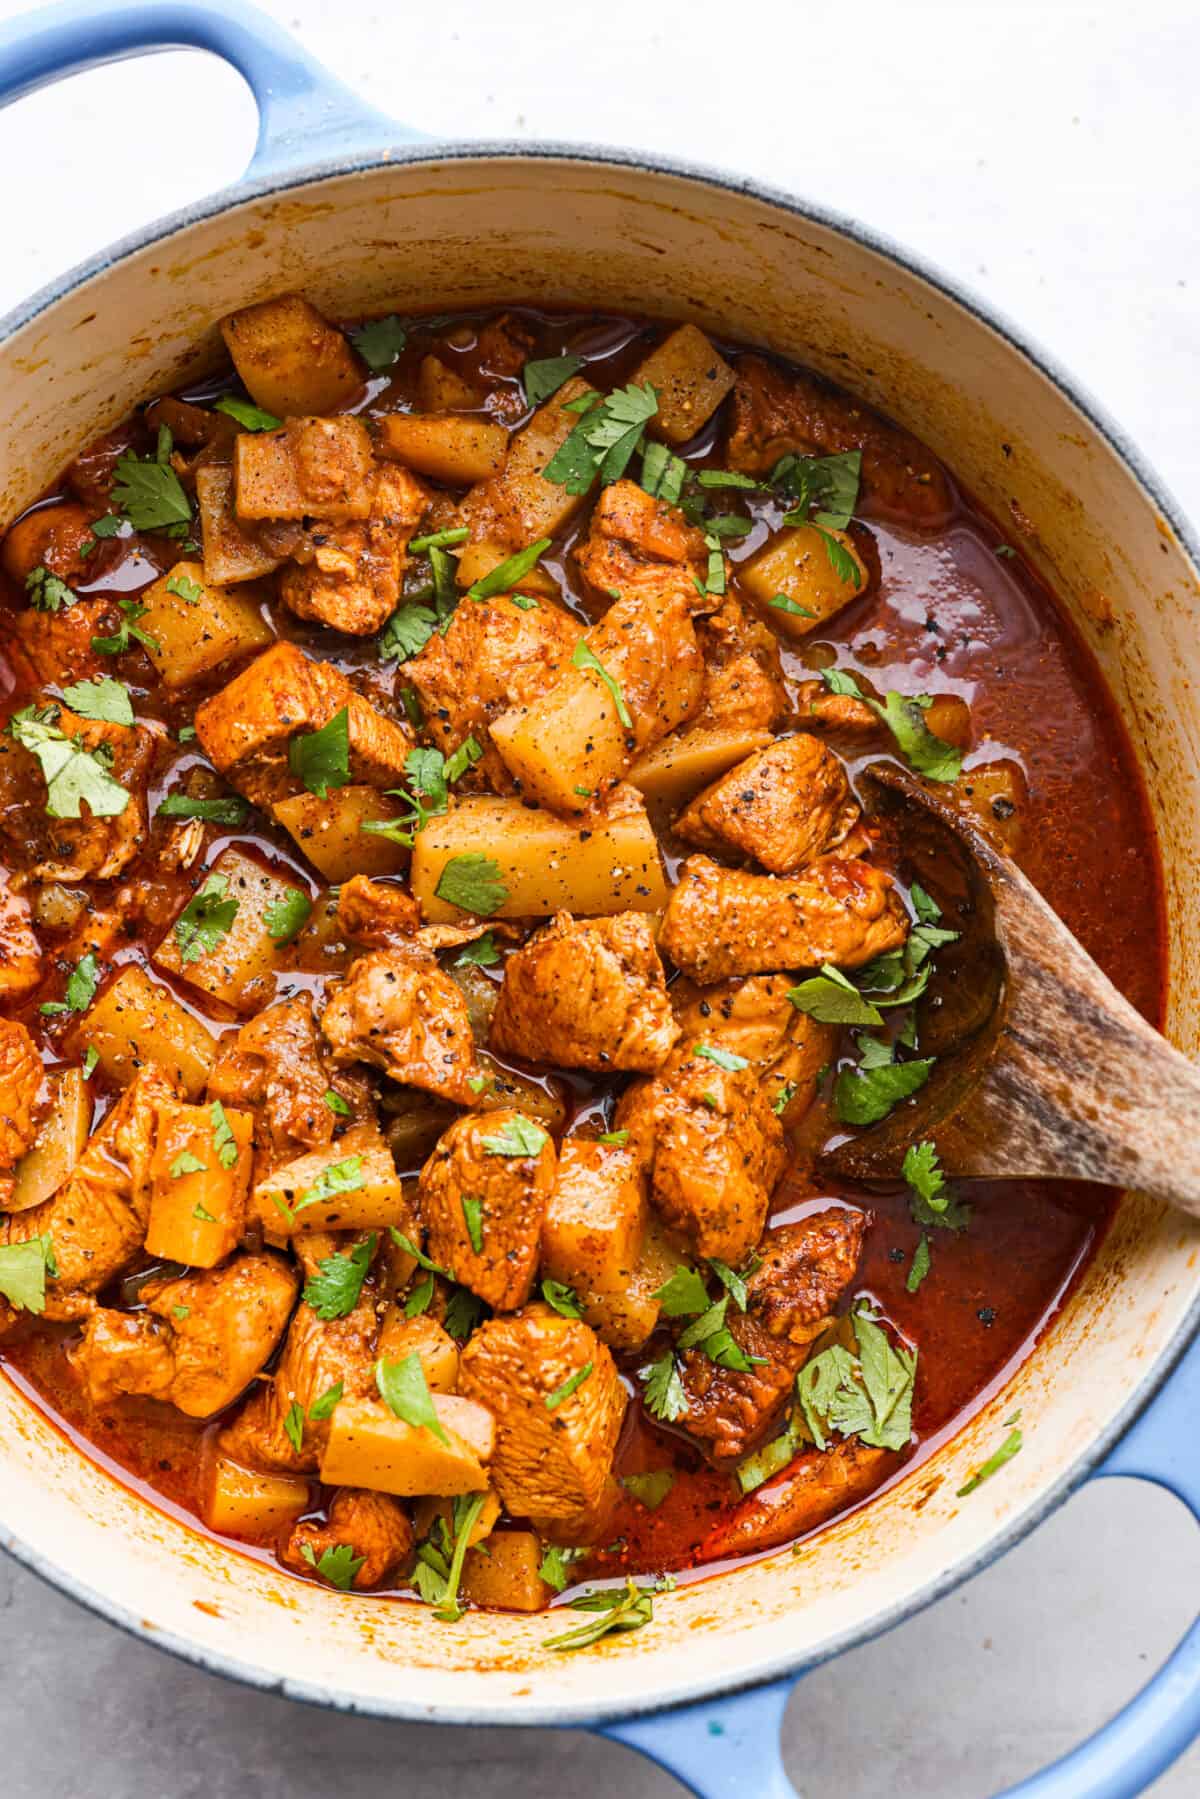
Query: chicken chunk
(277,1067)
(713,1147)
(495,654)
(518,506)
(818,708)
(398,1011)
(22,1091)
(353,581)
(373,1526)
(720,922)
(777,410)
(45,848)
(805,1269)
(743,675)
(587,993)
(319,468)
(483,1205)
(818,1485)
(53,648)
(50,537)
(246,728)
(200,1341)
(753,1017)
(558,1403)
(377,913)
(20,951)
(632,535)
(782,806)
(97,1218)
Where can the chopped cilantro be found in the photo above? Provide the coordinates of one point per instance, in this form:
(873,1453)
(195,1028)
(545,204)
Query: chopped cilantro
(472,1211)
(407,632)
(287,916)
(81,987)
(322,758)
(130,632)
(604,440)
(105,700)
(47,593)
(184,589)
(543,378)
(482,953)
(664,1395)
(517,1136)
(866,1094)
(473,884)
(74,775)
(336,1103)
(832,999)
(251,417)
(23,1270)
(1010,1447)
(186,1163)
(338,1565)
(379,342)
(148,492)
(724,1058)
(293,1425)
(649,1489)
(205,920)
(231,809)
(564,1299)
(326,1405)
(571,1385)
(224,1141)
(584,656)
(403,1388)
(334,1290)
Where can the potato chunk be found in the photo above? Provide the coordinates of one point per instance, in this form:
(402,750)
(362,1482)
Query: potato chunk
(233,958)
(545,865)
(197,1201)
(593,1236)
(507,1577)
(198,625)
(330,832)
(519,505)
(137,1024)
(290,359)
(795,563)
(240,1502)
(370,1447)
(458,450)
(400,1336)
(687,760)
(234,551)
(310,468)
(350,1185)
(58,1145)
(691,379)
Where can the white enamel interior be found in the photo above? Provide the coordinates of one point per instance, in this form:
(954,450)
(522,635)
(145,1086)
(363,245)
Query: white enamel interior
(479,229)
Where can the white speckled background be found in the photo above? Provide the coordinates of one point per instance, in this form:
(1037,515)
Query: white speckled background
(1044,154)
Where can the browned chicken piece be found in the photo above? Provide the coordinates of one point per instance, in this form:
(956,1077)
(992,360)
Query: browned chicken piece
(246,728)
(782,806)
(93,470)
(777,410)
(377,913)
(73,849)
(277,1067)
(721,922)
(20,951)
(818,1485)
(22,1091)
(398,1011)
(318,1354)
(373,1526)
(743,675)
(587,993)
(631,534)
(558,1402)
(713,1147)
(494,655)
(200,1341)
(483,1206)
(353,581)
(503,346)
(817,707)
(53,538)
(56,647)
(805,1269)
(310,468)
(752,1016)
(97,1218)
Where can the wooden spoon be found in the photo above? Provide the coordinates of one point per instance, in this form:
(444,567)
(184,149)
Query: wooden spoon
(1044,1070)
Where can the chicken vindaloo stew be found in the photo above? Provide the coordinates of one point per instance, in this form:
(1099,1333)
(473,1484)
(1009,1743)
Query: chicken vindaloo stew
(441,932)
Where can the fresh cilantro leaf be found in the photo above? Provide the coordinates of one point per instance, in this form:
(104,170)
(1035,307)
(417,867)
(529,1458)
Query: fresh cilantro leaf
(1010,1447)
(784,1098)
(481,954)
(665,1397)
(933,1204)
(185,589)
(336,1103)
(472,883)
(409,1248)
(251,417)
(875,1052)
(729,524)
(111,525)
(564,1299)
(506,574)
(832,999)
(438,540)
(403,1388)
(322,758)
(604,440)
(920,1265)
(379,342)
(81,987)
(201,1212)
(206,919)
(420,1297)
(426,771)
(293,1424)
(89,1062)
(663,473)
(828,483)
(326,1405)
(844,565)
(720,477)
(710,1334)
(771,1459)
(517,1136)
(186,1163)
(464,1309)
(584,656)
(23,1270)
(105,699)
(185,734)
(615,1139)
(468,753)
(627,1608)
(130,632)
(224,1141)
(724,1058)
(555,1563)
(868,1395)
(338,1565)
(333,1292)
(149,494)
(444,568)
(904,715)
(924,905)
(733,1282)
(467,1508)
(542,378)
(524,602)
(782,603)
(1004,549)
(649,1489)
(287,916)
(181,1312)
(74,776)
(683,1295)
(472,1211)
(865,1095)
(714,581)
(411,701)
(230,810)
(345,1176)
(571,1385)
(407,632)
(47,593)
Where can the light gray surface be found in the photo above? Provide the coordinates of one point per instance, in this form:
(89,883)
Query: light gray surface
(1044,154)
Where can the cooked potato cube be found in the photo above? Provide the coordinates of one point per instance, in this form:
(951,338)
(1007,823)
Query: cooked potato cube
(545,865)
(231,955)
(137,1024)
(350,1185)
(290,359)
(330,832)
(240,1502)
(370,1447)
(479,559)
(795,563)
(678,767)
(198,625)
(624,1316)
(504,1573)
(440,389)
(506,1087)
(197,1203)
(690,378)
(519,505)
(400,1336)
(596,1216)
(58,1145)
(451,448)
(231,551)
(311,468)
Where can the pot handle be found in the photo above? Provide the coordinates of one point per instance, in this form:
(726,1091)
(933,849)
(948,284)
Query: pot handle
(304,114)
(720,1748)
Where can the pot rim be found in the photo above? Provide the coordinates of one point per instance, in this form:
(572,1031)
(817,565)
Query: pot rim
(680,1690)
